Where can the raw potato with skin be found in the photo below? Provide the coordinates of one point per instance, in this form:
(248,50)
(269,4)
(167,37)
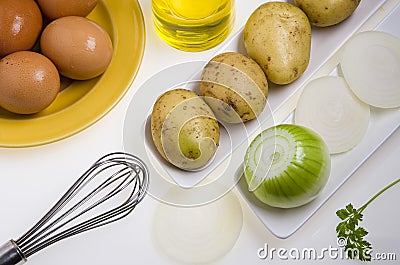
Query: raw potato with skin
(326,13)
(184,129)
(277,36)
(238,85)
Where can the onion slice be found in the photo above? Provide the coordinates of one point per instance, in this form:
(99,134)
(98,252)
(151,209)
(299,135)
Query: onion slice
(328,107)
(370,62)
(287,166)
(198,235)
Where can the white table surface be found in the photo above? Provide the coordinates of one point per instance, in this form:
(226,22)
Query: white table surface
(31,179)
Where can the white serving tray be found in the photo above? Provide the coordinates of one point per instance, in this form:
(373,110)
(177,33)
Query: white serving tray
(383,123)
(225,170)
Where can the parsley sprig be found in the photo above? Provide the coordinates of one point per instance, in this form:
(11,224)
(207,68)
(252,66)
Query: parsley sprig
(352,233)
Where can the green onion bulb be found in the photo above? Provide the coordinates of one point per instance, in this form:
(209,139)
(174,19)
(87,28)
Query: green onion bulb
(287,166)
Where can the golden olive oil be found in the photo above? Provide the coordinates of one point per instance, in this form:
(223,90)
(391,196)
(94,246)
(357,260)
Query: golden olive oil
(193,25)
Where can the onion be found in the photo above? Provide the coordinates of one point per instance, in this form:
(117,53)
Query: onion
(287,165)
(201,234)
(370,62)
(328,107)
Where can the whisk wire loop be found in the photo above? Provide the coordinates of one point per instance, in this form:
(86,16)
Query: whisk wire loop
(42,235)
(116,172)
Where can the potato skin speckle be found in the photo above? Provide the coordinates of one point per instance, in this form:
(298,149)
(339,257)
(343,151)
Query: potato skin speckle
(238,82)
(199,124)
(325,13)
(277,36)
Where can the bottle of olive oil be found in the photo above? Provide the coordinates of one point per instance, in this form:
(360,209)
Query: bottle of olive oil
(193,25)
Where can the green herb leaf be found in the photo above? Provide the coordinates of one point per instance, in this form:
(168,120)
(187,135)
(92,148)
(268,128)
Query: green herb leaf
(361,232)
(350,208)
(342,214)
(353,234)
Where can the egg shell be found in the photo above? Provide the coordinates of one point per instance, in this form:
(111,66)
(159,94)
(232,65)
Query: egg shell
(80,48)
(29,82)
(54,9)
(20,25)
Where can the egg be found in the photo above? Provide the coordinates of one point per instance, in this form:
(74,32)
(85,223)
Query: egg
(20,25)
(29,82)
(80,48)
(53,9)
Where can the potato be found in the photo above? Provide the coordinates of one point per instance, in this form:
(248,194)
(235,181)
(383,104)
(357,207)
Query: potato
(184,129)
(277,36)
(326,13)
(235,87)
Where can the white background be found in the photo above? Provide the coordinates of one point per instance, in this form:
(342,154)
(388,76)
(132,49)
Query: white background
(31,179)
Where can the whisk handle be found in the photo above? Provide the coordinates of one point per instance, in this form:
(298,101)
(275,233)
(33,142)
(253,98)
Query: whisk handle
(10,254)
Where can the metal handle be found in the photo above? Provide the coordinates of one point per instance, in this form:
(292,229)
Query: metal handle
(10,254)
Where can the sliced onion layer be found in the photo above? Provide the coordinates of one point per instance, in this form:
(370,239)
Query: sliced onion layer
(287,166)
(370,63)
(201,234)
(328,107)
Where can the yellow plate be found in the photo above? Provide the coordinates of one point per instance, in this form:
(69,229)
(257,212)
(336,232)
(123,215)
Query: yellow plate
(82,103)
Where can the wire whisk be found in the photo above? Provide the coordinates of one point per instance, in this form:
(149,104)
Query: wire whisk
(119,179)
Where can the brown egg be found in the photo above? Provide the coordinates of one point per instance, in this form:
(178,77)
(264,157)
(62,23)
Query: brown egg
(79,47)
(53,9)
(29,82)
(20,25)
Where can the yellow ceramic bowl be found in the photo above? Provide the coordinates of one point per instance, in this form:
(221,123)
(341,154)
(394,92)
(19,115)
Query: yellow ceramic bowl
(82,103)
